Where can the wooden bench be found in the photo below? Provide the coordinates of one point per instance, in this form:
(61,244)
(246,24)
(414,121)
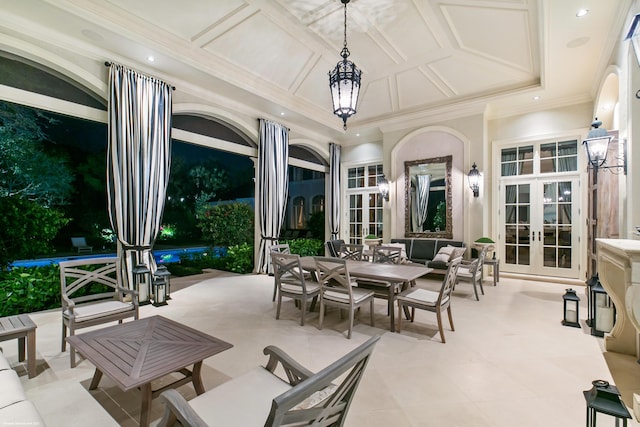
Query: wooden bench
(83,306)
(261,398)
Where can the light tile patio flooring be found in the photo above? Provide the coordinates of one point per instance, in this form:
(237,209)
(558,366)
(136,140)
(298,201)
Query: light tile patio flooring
(509,362)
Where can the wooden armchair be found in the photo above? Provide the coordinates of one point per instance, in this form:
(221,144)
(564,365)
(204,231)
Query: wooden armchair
(471,271)
(91,295)
(260,398)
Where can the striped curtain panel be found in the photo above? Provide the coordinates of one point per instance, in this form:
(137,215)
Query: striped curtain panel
(334,190)
(273,186)
(138,163)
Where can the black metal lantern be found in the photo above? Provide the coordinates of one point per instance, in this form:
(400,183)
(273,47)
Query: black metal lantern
(601,310)
(605,398)
(344,81)
(141,283)
(159,291)
(165,274)
(571,304)
(474,180)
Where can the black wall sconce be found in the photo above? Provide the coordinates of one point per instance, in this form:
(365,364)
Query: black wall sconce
(474,180)
(383,187)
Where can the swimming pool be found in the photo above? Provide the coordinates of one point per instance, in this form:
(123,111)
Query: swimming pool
(163,256)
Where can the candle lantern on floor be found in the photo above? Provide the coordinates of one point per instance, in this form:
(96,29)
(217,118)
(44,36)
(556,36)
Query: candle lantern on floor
(163,272)
(160,279)
(601,310)
(141,283)
(605,398)
(571,303)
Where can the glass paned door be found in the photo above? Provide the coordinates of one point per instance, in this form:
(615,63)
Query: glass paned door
(540,227)
(364,202)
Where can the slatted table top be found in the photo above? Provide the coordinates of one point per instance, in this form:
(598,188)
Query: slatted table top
(369,270)
(138,352)
(11,325)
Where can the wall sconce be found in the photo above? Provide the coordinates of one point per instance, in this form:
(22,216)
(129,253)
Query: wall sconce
(634,35)
(597,146)
(383,187)
(474,180)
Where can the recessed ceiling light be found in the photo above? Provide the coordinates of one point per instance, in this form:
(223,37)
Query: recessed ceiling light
(536,98)
(581,13)
(357,134)
(151,58)
(282,113)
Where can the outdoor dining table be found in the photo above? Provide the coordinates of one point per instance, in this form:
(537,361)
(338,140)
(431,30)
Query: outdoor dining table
(391,273)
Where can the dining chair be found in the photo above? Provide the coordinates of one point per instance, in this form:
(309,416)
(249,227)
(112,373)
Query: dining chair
(338,290)
(351,251)
(383,288)
(428,300)
(333,247)
(471,271)
(290,282)
(281,249)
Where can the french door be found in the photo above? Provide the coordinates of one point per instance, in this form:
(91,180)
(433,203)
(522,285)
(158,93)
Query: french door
(539,226)
(364,202)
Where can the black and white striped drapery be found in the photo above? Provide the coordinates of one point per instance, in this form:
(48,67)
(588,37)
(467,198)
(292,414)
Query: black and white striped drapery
(273,186)
(138,163)
(334,190)
(420,202)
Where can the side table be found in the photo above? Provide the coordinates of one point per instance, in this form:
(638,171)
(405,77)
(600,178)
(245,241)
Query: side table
(495,262)
(21,327)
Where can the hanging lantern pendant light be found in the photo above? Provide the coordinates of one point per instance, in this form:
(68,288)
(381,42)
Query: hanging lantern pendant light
(344,81)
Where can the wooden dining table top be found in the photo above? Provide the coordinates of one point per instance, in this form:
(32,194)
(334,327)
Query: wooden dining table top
(374,271)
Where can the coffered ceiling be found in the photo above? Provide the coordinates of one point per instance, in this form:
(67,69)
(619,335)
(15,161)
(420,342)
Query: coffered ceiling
(421,59)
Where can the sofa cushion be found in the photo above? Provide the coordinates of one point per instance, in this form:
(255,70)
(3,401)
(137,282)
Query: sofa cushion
(458,252)
(4,364)
(11,387)
(20,414)
(407,245)
(438,265)
(423,250)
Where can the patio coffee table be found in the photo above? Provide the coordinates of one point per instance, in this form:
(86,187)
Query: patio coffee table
(133,354)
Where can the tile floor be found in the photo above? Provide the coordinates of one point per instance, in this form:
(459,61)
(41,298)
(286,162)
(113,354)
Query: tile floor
(509,362)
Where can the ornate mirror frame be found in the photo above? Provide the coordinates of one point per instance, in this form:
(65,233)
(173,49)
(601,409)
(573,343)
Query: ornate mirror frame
(447,232)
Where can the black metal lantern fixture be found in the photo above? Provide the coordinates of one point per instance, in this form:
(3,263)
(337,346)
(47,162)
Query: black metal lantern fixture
(601,310)
(571,305)
(474,180)
(141,280)
(164,275)
(344,81)
(605,398)
(597,144)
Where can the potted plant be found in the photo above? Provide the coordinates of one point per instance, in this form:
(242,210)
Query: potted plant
(485,241)
(372,240)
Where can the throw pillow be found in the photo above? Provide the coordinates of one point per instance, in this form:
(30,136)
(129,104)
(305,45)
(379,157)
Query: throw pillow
(458,251)
(444,254)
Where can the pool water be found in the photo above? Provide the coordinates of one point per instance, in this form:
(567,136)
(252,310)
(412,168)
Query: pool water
(163,256)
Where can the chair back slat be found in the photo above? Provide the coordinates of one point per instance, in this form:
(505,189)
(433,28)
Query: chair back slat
(351,251)
(386,254)
(449,281)
(333,274)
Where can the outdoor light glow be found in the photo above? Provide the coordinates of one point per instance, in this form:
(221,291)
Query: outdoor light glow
(582,12)
(150,58)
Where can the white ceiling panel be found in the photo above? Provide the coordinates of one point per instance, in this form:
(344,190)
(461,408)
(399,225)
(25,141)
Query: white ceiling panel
(415,88)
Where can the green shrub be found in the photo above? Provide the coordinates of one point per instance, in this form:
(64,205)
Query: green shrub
(240,258)
(26,228)
(228,224)
(316,225)
(25,290)
(306,247)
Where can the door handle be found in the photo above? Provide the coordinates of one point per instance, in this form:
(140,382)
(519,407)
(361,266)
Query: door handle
(539,236)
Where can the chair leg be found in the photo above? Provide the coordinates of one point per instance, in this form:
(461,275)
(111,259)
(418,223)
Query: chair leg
(371,311)
(399,325)
(321,313)
(480,282)
(64,337)
(351,316)
(439,316)
(72,356)
(450,318)
(278,307)
(475,289)
(313,303)
(303,303)
(275,291)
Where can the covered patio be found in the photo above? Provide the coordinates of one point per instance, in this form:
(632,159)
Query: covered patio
(509,361)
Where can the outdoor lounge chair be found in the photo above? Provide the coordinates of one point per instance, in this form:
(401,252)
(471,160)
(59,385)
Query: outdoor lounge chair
(81,244)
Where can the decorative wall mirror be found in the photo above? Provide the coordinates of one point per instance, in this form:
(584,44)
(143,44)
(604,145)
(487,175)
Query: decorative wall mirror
(427,196)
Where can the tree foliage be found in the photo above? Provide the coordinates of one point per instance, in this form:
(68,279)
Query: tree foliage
(26,229)
(227,224)
(26,168)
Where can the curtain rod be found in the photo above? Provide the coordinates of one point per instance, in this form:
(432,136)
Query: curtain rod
(108,64)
